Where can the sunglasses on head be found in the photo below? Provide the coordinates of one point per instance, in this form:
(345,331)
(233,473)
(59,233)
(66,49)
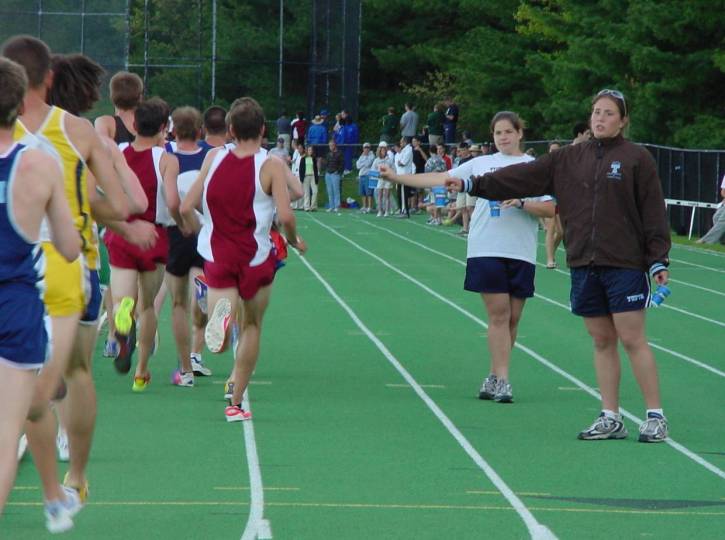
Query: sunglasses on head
(615,94)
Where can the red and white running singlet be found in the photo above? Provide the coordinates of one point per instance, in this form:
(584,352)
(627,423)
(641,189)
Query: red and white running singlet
(146,166)
(238,213)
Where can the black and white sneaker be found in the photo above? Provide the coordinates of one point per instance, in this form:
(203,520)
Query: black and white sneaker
(654,429)
(503,393)
(604,427)
(488,387)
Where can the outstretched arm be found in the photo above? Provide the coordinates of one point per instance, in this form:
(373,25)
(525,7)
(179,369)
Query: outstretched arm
(414,180)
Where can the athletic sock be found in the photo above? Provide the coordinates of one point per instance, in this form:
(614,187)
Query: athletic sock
(610,414)
(655,413)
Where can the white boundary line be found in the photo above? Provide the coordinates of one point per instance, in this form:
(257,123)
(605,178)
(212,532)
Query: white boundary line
(677,446)
(680,261)
(549,300)
(712,291)
(695,315)
(257,527)
(703,251)
(536,530)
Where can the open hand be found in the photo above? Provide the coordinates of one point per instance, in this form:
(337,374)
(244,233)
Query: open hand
(141,233)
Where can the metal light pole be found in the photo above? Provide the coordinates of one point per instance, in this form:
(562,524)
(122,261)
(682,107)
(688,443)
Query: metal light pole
(281,53)
(213,51)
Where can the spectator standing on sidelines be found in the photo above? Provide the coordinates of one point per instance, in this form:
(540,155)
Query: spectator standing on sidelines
(435,125)
(317,137)
(409,122)
(310,178)
(404,165)
(615,225)
(284,129)
(717,232)
(350,138)
(383,189)
(299,128)
(390,124)
(451,121)
(333,176)
(364,164)
(435,164)
(281,152)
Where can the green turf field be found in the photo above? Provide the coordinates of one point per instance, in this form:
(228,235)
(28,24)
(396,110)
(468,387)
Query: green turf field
(367,426)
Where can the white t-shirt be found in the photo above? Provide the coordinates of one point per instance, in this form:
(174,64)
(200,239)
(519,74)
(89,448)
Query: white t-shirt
(513,233)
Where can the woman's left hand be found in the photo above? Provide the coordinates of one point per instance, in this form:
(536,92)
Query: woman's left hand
(661,278)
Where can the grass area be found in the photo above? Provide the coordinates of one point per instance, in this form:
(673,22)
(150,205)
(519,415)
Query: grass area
(705,247)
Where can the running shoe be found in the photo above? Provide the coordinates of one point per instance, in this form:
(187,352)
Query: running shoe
(82,492)
(180,378)
(604,427)
(215,333)
(110,348)
(59,514)
(654,429)
(488,387)
(228,390)
(22,446)
(200,290)
(503,393)
(141,383)
(234,413)
(61,443)
(198,366)
(125,335)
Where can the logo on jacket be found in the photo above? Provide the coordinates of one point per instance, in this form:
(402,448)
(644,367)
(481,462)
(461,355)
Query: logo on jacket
(614,171)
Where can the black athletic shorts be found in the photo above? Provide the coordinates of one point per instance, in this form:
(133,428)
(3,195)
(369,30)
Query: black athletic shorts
(182,253)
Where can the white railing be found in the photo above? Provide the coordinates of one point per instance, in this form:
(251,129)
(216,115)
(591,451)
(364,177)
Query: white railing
(694,205)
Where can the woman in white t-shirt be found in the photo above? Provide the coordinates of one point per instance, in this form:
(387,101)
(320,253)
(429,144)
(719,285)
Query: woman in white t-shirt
(501,255)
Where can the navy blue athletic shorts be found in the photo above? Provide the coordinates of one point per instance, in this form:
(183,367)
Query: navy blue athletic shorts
(93,307)
(24,326)
(500,275)
(600,290)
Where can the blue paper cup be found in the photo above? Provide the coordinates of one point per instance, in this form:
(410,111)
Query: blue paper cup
(441,196)
(373,177)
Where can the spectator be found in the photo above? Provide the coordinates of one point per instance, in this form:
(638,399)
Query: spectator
(284,129)
(409,121)
(451,121)
(419,159)
(554,231)
(317,137)
(333,176)
(390,126)
(441,149)
(299,127)
(464,202)
(435,163)
(581,133)
(309,176)
(364,164)
(404,165)
(350,137)
(435,125)
(467,138)
(281,152)
(383,189)
(717,233)
(475,150)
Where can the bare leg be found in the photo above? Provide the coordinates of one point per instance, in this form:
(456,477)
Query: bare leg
(630,328)
(606,359)
(178,287)
(150,284)
(198,318)
(80,404)
(250,332)
(504,313)
(17,387)
(41,441)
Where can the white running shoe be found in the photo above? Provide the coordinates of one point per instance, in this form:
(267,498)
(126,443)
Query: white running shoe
(61,443)
(215,333)
(198,366)
(59,514)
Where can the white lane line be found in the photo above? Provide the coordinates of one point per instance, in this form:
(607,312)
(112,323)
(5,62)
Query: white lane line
(702,251)
(711,291)
(695,315)
(536,530)
(393,385)
(554,302)
(257,527)
(588,389)
(687,263)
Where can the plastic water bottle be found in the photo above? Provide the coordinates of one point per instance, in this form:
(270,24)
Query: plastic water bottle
(441,196)
(495,208)
(660,294)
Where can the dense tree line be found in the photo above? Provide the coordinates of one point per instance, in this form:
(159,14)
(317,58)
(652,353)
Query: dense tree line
(541,58)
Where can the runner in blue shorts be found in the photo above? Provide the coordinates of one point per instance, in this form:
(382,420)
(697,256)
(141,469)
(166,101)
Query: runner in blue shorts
(30,188)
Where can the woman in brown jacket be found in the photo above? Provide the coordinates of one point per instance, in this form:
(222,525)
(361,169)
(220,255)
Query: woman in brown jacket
(615,225)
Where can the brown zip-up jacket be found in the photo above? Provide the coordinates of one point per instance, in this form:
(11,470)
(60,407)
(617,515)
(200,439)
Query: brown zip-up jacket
(609,196)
